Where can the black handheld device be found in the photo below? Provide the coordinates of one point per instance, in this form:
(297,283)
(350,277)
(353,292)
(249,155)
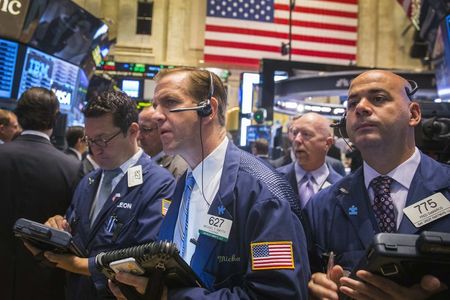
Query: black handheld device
(406,258)
(159,260)
(45,237)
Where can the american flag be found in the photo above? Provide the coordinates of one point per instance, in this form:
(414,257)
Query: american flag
(272,255)
(241,32)
(165,206)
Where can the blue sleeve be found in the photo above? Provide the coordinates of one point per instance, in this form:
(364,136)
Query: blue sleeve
(267,221)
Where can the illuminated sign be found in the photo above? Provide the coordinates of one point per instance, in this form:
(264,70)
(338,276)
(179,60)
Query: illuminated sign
(41,69)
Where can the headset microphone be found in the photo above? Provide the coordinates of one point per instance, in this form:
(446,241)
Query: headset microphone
(341,128)
(204,108)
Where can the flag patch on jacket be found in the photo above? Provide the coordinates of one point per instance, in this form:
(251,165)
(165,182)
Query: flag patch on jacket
(165,206)
(272,255)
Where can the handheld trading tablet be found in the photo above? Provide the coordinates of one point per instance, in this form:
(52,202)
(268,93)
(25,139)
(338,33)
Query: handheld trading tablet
(406,258)
(160,261)
(45,237)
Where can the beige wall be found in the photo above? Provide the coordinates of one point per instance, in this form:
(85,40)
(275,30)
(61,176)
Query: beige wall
(178,30)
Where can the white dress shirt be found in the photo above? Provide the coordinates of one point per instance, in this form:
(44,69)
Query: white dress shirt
(319,176)
(402,175)
(209,171)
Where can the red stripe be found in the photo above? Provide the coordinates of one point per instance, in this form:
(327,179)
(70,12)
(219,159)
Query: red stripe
(275,49)
(324,54)
(242,46)
(232,60)
(318,11)
(315,25)
(343,1)
(295,37)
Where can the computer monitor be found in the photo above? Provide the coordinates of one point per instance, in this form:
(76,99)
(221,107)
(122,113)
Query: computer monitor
(47,71)
(8,58)
(132,87)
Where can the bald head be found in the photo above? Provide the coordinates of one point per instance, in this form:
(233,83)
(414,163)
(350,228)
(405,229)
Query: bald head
(381,118)
(389,80)
(311,140)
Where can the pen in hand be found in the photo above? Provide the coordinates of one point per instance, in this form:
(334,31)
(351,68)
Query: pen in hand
(330,264)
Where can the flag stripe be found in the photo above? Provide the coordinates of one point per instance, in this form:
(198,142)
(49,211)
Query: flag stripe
(316,25)
(298,48)
(318,11)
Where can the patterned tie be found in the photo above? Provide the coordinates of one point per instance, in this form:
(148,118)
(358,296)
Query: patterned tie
(104,193)
(305,189)
(383,206)
(184,219)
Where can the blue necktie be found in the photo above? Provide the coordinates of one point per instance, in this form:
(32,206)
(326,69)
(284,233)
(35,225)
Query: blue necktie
(104,192)
(383,207)
(184,220)
(305,189)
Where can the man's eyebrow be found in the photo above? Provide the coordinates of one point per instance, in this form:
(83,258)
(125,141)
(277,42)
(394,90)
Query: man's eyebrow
(371,91)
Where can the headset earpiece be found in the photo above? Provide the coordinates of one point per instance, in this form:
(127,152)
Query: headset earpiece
(340,126)
(205,108)
(414,88)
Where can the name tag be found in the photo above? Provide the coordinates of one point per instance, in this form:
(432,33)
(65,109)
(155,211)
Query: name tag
(427,210)
(216,227)
(135,176)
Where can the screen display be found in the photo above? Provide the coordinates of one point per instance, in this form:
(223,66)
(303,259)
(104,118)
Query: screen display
(131,87)
(255,132)
(46,71)
(67,31)
(8,56)
(442,57)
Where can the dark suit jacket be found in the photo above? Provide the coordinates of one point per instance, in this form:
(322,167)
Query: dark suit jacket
(336,164)
(288,172)
(174,164)
(71,153)
(37,182)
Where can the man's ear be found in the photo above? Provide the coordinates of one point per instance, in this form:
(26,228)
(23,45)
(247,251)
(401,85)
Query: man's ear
(415,114)
(133,129)
(214,110)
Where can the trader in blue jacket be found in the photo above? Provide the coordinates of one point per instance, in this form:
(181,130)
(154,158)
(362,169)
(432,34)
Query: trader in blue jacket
(380,121)
(231,216)
(119,205)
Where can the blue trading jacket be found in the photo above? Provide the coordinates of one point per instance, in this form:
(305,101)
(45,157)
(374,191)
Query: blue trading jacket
(132,218)
(340,218)
(256,200)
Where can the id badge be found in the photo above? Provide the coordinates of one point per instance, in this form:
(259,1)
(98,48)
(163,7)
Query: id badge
(216,227)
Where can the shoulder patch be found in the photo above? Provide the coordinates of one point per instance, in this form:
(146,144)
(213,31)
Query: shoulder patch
(272,255)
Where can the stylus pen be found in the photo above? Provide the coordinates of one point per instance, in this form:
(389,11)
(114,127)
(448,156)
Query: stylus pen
(330,263)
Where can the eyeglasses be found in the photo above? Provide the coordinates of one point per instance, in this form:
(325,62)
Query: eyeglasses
(147,129)
(100,142)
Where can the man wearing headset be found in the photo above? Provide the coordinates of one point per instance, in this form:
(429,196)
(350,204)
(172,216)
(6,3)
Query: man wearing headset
(344,218)
(249,199)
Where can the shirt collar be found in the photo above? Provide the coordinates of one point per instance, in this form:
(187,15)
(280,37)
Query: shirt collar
(131,161)
(212,164)
(35,132)
(402,174)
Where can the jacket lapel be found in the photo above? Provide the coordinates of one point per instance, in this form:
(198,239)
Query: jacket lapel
(357,212)
(424,184)
(170,220)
